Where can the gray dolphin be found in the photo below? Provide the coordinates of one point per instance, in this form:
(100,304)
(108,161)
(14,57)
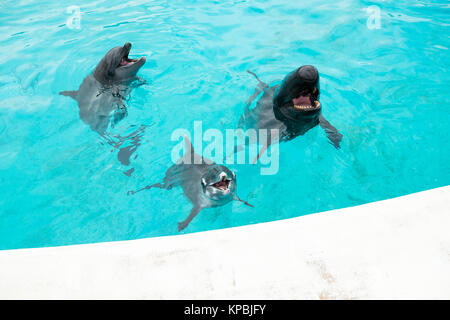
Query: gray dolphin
(104,90)
(292,107)
(204,183)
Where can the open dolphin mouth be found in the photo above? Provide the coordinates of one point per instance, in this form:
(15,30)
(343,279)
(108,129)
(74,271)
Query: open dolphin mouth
(125,60)
(306,102)
(223,184)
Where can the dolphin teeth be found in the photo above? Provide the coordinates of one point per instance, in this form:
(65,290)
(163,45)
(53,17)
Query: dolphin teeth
(223,184)
(307,107)
(303,107)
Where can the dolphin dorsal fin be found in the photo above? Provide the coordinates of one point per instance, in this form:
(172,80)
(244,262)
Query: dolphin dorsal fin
(189,155)
(188,144)
(72,94)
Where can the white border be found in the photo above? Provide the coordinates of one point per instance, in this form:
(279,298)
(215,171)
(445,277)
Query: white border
(391,249)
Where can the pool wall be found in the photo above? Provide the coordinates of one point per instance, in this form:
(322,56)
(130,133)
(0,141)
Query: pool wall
(392,249)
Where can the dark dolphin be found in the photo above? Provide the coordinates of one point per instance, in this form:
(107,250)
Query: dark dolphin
(292,107)
(204,183)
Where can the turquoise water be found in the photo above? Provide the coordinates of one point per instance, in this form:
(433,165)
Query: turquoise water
(385,87)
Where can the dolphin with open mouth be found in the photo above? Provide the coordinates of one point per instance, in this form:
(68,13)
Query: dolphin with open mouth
(104,90)
(292,107)
(204,183)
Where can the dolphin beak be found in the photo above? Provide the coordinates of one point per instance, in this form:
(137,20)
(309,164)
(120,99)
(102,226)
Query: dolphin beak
(127,46)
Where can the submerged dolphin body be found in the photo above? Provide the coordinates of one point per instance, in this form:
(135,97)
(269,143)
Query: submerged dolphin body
(292,108)
(104,90)
(204,183)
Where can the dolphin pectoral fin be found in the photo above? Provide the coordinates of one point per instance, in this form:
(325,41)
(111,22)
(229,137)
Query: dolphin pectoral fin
(245,202)
(156,185)
(333,135)
(261,84)
(261,87)
(183,224)
(236,149)
(72,94)
(263,149)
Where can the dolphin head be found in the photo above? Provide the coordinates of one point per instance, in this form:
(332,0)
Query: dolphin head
(116,67)
(299,92)
(219,183)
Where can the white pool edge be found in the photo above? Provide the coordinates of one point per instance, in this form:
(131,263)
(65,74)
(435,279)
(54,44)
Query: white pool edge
(392,249)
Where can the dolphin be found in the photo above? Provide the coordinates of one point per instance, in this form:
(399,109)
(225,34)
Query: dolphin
(204,183)
(292,108)
(101,98)
(104,90)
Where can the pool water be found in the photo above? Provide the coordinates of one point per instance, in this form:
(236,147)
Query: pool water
(384,86)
